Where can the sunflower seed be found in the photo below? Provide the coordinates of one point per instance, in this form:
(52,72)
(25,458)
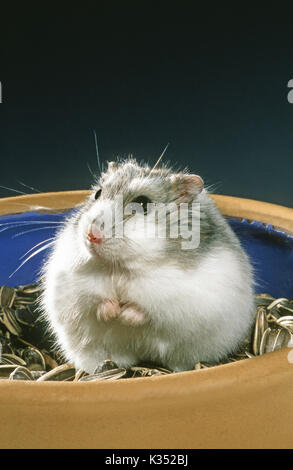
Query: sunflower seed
(284,306)
(264,340)
(164,371)
(12,359)
(263,300)
(36,374)
(33,358)
(29,288)
(274,339)
(66,372)
(7,296)
(257,337)
(112,374)
(148,371)
(5,345)
(275,306)
(24,316)
(5,370)
(8,319)
(261,325)
(140,371)
(79,374)
(21,345)
(282,338)
(51,363)
(105,365)
(21,373)
(249,355)
(286,322)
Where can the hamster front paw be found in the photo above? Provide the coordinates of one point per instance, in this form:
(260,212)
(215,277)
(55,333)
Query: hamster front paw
(108,310)
(132,315)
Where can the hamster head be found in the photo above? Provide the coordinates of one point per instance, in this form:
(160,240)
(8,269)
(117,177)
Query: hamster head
(132,215)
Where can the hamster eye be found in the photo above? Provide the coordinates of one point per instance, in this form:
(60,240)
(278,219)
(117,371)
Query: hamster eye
(143,201)
(98,194)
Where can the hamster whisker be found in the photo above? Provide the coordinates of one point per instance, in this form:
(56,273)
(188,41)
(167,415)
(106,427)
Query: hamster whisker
(160,157)
(35,246)
(90,170)
(121,222)
(213,187)
(12,226)
(32,230)
(97,150)
(29,187)
(23,225)
(32,222)
(31,256)
(14,190)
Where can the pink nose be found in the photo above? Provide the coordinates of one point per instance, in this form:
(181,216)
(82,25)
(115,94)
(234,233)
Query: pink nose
(95,236)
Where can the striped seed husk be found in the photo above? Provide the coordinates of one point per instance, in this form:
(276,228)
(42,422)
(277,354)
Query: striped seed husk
(28,353)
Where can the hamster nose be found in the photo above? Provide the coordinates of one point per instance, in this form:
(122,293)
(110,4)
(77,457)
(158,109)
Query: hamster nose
(94,235)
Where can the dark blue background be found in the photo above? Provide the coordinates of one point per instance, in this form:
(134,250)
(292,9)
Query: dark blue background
(208,77)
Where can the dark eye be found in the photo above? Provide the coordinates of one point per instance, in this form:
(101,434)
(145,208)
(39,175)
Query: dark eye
(98,194)
(143,201)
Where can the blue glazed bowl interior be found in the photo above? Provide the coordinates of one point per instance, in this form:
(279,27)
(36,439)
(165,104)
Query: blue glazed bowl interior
(270,251)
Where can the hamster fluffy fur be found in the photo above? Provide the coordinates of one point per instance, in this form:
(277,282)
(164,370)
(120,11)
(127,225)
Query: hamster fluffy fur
(138,300)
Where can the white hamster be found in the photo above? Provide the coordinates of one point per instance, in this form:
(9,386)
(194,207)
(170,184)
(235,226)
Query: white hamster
(138,298)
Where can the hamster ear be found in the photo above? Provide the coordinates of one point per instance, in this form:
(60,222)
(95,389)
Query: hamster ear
(112,166)
(188,186)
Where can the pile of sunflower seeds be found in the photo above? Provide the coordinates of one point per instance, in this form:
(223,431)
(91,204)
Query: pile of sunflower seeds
(27,349)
